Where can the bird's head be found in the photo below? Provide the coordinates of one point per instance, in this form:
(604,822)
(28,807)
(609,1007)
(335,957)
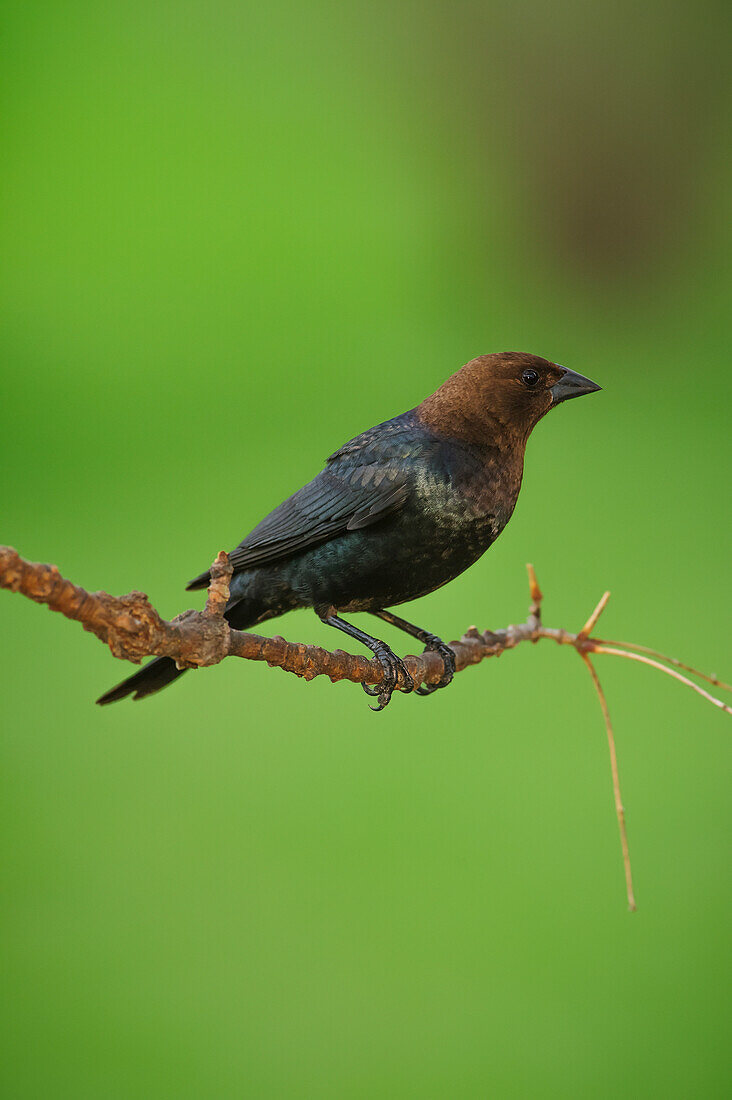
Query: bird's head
(506,393)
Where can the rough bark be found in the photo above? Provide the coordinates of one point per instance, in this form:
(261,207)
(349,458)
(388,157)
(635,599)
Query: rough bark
(133,629)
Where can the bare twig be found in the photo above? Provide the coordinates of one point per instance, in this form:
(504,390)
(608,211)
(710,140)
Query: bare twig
(599,647)
(592,621)
(535,593)
(710,679)
(132,629)
(619,810)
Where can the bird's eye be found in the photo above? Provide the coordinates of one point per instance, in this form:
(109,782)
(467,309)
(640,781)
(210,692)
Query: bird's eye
(530,377)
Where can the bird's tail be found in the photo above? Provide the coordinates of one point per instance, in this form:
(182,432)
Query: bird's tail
(162,671)
(156,675)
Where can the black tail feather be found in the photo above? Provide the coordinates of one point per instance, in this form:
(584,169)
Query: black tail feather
(201,581)
(156,675)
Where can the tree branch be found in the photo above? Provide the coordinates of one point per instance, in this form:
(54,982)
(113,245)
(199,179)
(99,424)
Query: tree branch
(133,629)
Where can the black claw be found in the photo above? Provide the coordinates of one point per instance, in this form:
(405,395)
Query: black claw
(436,645)
(377,693)
(408,681)
(393,668)
(432,644)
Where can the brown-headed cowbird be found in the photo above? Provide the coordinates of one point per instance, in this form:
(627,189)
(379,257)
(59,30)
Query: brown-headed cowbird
(397,512)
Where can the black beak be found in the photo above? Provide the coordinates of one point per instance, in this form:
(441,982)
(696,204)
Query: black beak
(572,385)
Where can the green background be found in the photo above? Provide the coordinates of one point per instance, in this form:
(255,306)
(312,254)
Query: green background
(233,236)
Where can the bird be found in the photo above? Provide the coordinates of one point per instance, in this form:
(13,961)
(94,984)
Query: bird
(397,512)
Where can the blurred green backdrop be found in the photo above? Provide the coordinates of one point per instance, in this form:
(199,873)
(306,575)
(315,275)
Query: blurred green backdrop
(234,235)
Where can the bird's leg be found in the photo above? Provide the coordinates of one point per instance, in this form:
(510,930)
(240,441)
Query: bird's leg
(390,663)
(430,642)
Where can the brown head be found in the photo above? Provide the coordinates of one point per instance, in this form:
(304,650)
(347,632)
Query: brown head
(500,398)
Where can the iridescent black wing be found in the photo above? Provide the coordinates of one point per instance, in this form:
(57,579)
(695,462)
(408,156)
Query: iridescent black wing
(363,483)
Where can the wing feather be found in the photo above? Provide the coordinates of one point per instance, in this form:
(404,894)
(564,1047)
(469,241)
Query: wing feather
(328,506)
(362,484)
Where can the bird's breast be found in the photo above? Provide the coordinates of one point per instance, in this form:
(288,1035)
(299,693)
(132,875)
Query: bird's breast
(467,493)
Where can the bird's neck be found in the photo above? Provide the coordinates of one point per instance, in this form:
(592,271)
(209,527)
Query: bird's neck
(457,413)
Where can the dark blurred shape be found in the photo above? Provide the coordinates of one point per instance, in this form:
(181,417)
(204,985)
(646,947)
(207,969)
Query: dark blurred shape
(615,128)
(603,120)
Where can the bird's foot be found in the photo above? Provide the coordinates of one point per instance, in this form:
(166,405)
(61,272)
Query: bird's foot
(436,645)
(394,668)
